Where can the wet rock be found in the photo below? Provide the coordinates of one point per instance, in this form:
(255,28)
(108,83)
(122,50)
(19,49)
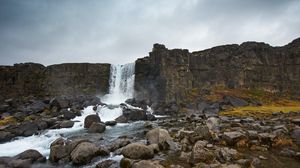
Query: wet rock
(161,137)
(67,115)
(231,138)
(121,119)
(66,124)
(126,163)
(134,114)
(23,160)
(119,143)
(96,128)
(148,164)
(200,154)
(5,136)
(107,164)
(151,117)
(19,163)
(83,153)
(91,119)
(137,151)
(111,123)
(59,150)
(32,155)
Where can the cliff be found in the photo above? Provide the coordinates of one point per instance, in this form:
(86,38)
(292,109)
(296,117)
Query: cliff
(172,75)
(62,79)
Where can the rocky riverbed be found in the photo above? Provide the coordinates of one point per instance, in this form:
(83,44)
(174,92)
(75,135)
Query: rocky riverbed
(139,139)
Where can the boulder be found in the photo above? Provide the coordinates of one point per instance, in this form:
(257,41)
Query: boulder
(59,102)
(213,124)
(37,106)
(96,128)
(23,160)
(67,115)
(231,138)
(84,153)
(234,101)
(226,154)
(91,119)
(148,164)
(19,163)
(159,136)
(137,151)
(203,132)
(59,150)
(27,128)
(66,124)
(32,155)
(199,154)
(134,114)
(5,136)
(121,119)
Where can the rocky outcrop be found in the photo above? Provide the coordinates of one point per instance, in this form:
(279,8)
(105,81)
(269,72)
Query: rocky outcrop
(170,75)
(80,78)
(62,79)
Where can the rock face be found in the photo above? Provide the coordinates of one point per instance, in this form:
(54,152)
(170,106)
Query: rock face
(171,75)
(62,79)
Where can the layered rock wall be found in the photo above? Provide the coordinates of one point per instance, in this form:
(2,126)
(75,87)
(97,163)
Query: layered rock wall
(62,79)
(170,75)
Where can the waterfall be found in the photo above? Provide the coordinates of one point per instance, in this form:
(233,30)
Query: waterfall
(121,83)
(121,88)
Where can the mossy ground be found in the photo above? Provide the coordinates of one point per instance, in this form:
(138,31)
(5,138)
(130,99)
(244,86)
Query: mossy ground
(10,120)
(271,102)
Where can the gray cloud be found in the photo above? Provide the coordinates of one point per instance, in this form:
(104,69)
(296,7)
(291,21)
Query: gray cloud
(113,31)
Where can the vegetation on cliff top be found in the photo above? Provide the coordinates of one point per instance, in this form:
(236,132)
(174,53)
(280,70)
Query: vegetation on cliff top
(261,103)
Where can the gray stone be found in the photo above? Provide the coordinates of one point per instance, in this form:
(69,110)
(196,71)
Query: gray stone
(90,119)
(137,151)
(96,128)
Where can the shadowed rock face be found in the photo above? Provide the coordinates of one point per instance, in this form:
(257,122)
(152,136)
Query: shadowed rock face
(62,79)
(169,75)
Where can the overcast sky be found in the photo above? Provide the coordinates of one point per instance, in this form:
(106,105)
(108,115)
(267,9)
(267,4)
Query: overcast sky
(119,31)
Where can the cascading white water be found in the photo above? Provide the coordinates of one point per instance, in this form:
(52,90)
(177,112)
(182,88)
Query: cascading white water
(121,88)
(121,83)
